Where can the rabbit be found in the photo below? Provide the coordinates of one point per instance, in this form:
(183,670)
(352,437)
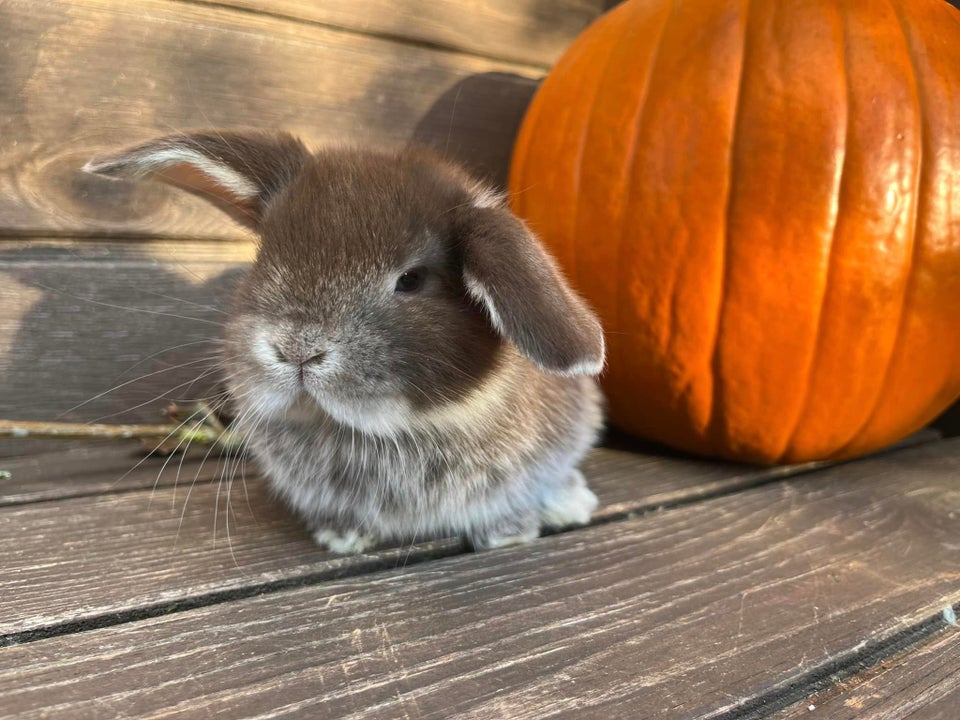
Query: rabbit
(405,358)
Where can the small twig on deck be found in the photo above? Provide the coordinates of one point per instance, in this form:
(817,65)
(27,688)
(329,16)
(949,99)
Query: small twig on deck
(73,431)
(206,430)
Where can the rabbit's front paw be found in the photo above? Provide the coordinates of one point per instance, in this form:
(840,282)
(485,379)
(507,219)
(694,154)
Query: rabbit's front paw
(572,505)
(344,542)
(488,542)
(514,531)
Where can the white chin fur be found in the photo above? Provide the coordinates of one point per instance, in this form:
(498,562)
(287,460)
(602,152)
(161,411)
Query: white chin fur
(269,403)
(375,416)
(384,416)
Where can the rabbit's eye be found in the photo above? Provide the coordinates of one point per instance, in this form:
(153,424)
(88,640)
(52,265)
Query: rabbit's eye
(411,281)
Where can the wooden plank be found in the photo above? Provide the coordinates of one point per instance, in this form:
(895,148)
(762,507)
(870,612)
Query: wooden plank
(627,480)
(80,318)
(83,558)
(681,614)
(81,76)
(921,684)
(527,31)
(94,468)
(179,545)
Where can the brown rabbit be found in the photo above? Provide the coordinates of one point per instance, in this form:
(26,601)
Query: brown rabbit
(405,358)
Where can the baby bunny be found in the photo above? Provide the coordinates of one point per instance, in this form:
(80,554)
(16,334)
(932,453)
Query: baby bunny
(405,359)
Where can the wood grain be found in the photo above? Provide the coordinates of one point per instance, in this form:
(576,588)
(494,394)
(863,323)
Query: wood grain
(121,551)
(921,684)
(78,319)
(98,468)
(78,559)
(681,614)
(527,31)
(64,96)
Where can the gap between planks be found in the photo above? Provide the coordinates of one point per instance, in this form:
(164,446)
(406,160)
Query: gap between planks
(846,666)
(333,569)
(922,683)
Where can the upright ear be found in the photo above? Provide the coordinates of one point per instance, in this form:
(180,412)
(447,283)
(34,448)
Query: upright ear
(530,304)
(236,171)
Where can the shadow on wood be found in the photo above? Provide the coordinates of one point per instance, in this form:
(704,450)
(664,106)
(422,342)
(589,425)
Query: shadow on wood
(90,318)
(481,101)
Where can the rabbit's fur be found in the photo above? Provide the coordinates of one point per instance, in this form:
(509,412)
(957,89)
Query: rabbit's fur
(405,359)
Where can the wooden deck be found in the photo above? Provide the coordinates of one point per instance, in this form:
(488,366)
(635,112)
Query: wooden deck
(702,590)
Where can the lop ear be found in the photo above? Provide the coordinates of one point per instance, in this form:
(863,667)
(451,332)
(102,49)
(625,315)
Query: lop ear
(236,171)
(528,300)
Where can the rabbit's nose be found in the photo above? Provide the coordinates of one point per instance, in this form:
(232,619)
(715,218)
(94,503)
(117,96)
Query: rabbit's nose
(299,356)
(312,358)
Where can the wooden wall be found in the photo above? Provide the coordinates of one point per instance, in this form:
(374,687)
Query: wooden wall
(103,282)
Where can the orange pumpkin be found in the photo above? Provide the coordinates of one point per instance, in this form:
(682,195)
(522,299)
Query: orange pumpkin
(761,198)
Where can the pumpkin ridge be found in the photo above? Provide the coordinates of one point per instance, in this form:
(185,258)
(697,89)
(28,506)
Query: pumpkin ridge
(711,430)
(842,192)
(921,182)
(628,180)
